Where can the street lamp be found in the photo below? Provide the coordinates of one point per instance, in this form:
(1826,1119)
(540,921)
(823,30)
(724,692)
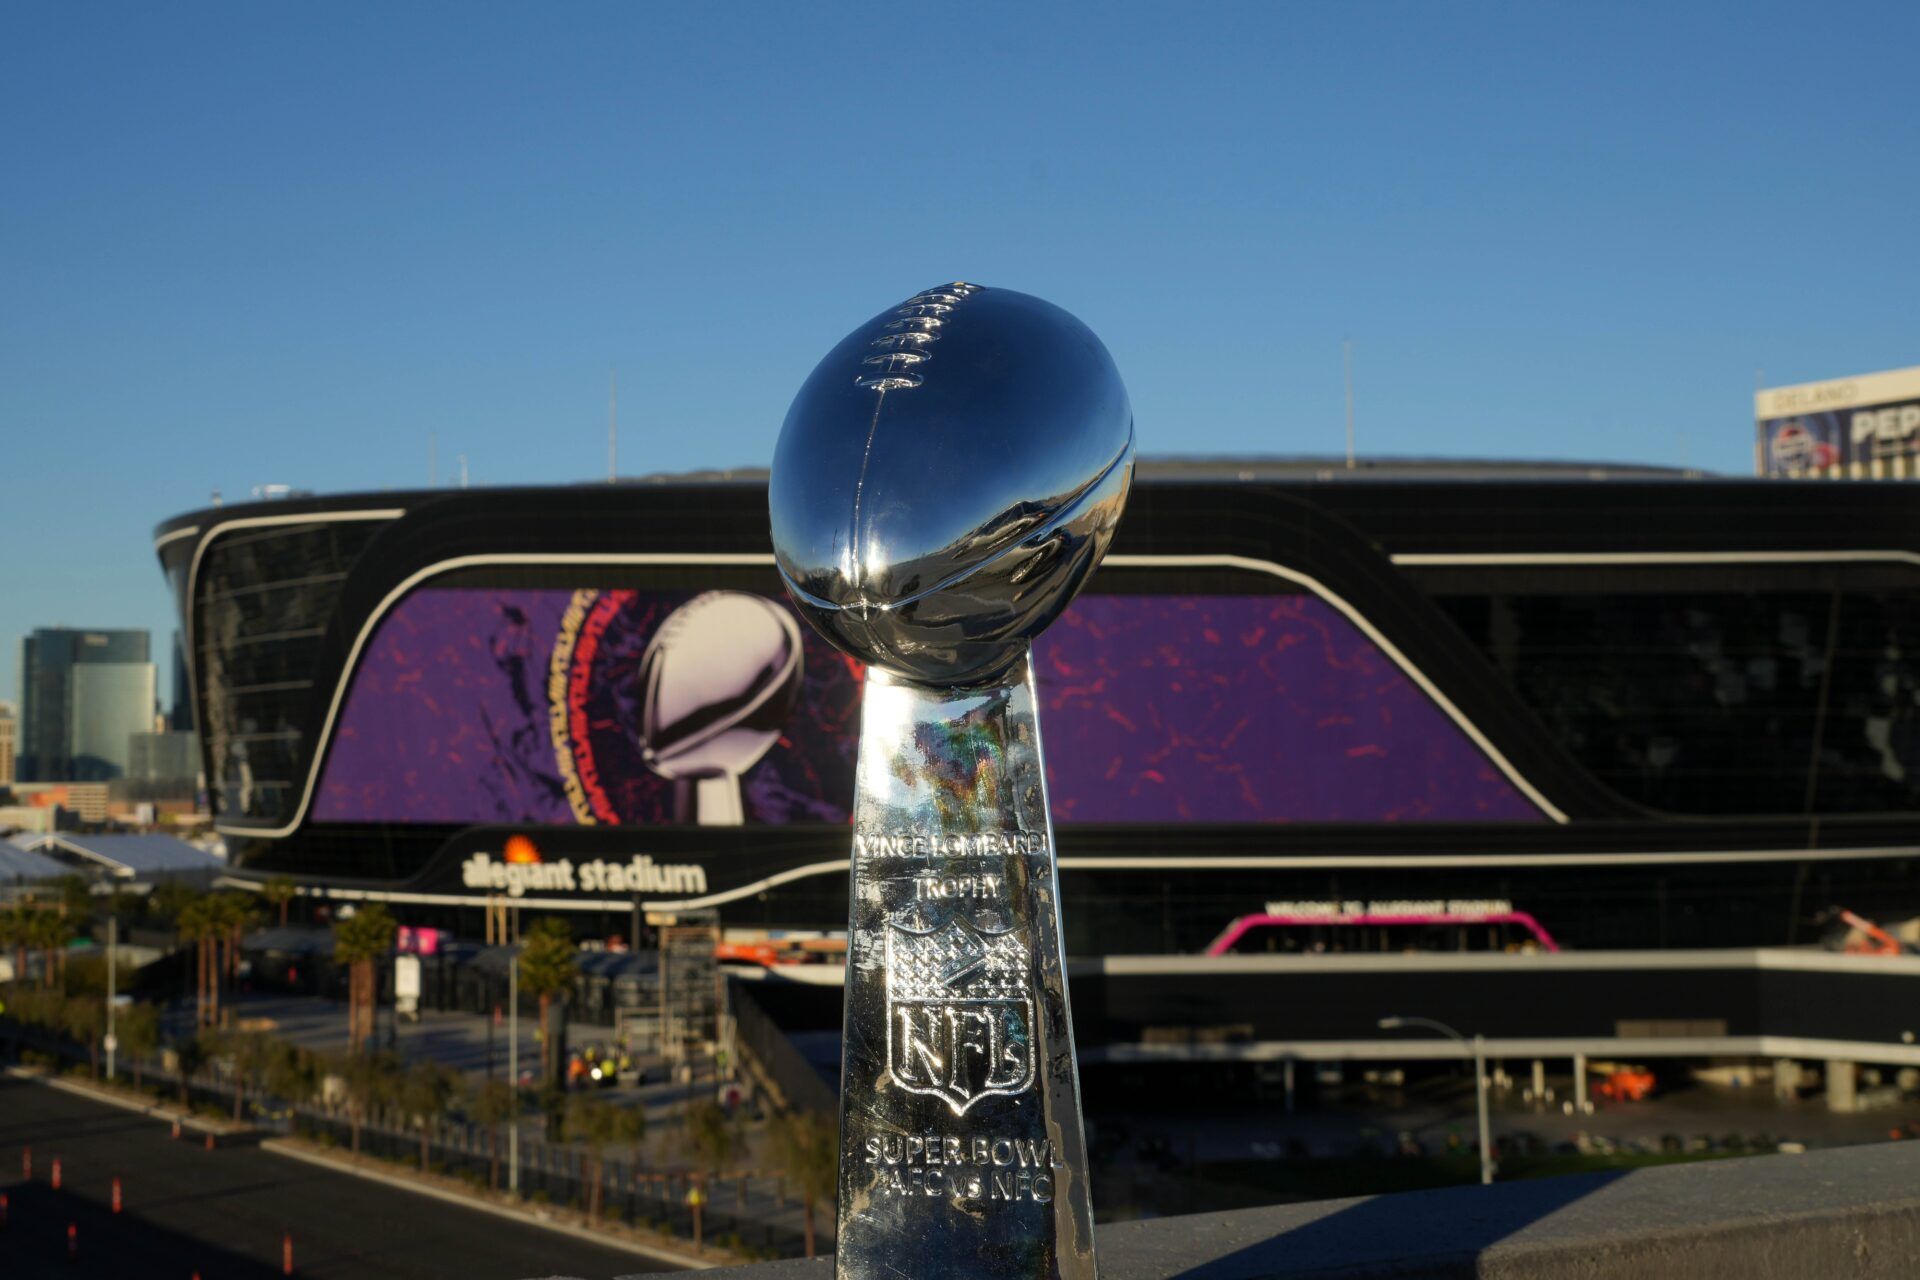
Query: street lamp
(1478,1046)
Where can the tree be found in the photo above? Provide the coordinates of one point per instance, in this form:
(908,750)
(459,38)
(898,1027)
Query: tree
(124,904)
(171,896)
(292,1074)
(85,1019)
(599,1124)
(495,1103)
(16,933)
(279,891)
(426,1090)
(359,942)
(713,1139)
(189,1055)
(249,1054)
(368,1078)
(546,969)
(806,1150)
(76,898)
(138,1029)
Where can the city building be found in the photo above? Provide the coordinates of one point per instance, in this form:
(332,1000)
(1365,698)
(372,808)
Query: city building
(113,703)
(82,694)
(180,709)
(1864,427)
(26,818)
(162,765)
(9,743)
(62,803)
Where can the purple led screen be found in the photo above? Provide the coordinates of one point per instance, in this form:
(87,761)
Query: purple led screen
(1270,708)
(504,706)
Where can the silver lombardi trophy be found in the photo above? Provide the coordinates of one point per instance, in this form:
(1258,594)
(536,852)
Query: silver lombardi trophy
(945,482)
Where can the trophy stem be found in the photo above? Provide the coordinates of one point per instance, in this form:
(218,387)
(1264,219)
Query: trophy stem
(961,1147)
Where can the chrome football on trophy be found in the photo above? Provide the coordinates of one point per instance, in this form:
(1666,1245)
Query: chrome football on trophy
(717,682)
(945,482)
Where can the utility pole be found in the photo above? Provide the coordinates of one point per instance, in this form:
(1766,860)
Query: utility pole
(463,471)
(613,425)
(1480,1097)
(1346,353)
(433,459)
(513,1069)
(113,947)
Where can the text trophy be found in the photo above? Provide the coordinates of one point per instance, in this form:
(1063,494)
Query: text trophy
(945,482)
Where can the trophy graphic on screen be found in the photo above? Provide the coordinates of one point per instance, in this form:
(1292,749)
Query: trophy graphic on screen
(945,482)
(717,681)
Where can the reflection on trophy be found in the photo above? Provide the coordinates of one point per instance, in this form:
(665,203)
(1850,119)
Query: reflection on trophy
(945,482)
(716,682)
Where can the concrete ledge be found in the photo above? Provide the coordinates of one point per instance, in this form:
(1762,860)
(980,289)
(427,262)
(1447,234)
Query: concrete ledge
(1829,1215)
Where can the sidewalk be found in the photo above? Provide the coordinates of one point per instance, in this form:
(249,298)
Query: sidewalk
(129,1099)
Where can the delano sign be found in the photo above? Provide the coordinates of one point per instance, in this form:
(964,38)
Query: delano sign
(1869,425)
(638,875)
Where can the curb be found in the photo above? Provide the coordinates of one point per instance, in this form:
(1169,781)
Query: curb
(526,1217)
(138,1105)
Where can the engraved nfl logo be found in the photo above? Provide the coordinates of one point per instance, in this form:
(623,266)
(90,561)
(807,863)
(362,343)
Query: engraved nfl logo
(959,1012)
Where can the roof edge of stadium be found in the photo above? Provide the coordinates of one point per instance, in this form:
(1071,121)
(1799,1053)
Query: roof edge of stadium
(1299,467)
(1223,469)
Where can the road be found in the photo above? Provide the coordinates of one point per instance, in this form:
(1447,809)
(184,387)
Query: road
(223,1214)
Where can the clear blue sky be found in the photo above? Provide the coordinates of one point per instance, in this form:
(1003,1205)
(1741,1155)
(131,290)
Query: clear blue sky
(283,243)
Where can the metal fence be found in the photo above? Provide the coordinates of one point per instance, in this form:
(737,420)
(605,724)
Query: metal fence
(758,1036)
(559,1174)
(735,1212)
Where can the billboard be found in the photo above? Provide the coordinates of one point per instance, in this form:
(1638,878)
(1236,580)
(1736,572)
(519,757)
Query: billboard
(1848,424)
(609,707)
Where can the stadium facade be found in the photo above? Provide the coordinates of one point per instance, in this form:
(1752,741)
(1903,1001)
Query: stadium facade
(1641,709)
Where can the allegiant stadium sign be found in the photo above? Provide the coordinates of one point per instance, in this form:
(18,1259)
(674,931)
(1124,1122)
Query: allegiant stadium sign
(517,877)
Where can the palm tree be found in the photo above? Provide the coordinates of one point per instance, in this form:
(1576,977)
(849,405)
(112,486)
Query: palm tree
(233,915)
(546,969)
(193,921)
(806,1149)
(49,933)
(359,942)
(279,891)
(600,1124)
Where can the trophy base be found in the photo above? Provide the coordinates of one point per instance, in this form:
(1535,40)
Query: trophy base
(961,1147)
